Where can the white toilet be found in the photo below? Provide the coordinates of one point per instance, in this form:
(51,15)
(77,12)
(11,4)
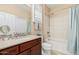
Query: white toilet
(46,48)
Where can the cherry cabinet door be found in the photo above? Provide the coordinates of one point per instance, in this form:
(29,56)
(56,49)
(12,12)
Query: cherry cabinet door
(36,50)
(27,52)
(10,51)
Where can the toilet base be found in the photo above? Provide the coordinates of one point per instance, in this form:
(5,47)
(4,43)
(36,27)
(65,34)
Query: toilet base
(46,52)
(46,47)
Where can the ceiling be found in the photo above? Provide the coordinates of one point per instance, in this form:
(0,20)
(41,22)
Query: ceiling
(52,6)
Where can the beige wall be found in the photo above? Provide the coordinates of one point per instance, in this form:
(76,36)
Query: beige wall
(45,21)
(15,9)
(46,10)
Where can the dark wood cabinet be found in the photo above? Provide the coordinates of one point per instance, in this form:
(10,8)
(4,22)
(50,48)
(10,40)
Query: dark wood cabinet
(27,52)
(36,50)
(32,47)
(10,51)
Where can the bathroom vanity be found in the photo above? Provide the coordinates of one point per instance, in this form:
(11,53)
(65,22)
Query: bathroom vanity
(26,46)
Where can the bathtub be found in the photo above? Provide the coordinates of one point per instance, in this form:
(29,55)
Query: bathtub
(59,47)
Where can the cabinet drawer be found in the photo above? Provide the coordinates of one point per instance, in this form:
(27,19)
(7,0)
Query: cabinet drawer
(10,51)
(27,52)
(28,45)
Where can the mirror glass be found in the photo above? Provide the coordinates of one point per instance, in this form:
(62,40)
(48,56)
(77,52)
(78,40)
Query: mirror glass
(37,18)
(16,23)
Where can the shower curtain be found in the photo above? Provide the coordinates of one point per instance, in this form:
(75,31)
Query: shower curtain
(73,42)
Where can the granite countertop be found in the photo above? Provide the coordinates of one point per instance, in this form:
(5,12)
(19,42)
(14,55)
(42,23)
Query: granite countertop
(11,42)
